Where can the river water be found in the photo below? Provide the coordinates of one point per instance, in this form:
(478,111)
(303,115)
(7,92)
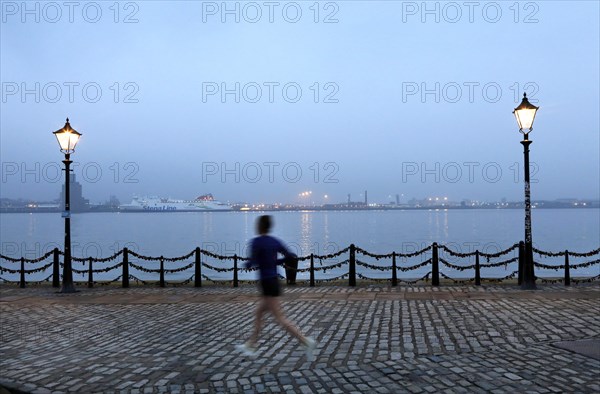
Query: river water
(319,232)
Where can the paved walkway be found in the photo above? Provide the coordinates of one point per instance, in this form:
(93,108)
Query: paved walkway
(375,339)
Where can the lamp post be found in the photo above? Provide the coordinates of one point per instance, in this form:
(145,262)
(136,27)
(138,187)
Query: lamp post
(67,139)
(525,115)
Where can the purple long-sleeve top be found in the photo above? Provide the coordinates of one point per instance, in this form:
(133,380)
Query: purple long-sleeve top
(263,254)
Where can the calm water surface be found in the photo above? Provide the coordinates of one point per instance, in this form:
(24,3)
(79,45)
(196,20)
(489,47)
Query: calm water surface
(319,232)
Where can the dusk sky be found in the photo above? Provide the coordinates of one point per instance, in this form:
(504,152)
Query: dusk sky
(386,96)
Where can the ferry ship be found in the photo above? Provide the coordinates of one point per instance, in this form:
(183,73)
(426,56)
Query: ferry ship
(205,202)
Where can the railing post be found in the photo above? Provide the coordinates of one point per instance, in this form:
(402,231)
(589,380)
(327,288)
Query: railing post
(394,273)
(435,265)
(567,269)
(352,267)
(22,280)
(198,270)
(312,270)
(55,269)
(125,278)
(521,261)
(235,270)
(477,269)
(162,272)
(90,274)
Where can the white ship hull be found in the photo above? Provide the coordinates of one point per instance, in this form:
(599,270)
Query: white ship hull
(156,204)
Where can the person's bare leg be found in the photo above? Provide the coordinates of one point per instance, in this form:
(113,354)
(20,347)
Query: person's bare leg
(262,307)
(275,309)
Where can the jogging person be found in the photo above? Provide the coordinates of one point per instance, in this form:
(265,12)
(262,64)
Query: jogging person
(264,249)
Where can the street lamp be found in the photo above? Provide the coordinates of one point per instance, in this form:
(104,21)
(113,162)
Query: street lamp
(67,139)
(525,115)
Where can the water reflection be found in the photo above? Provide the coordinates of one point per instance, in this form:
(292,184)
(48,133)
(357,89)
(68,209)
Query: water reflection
(248,226)
(445,227)
(31,225)
(437,221)
(306,232)
(208,223)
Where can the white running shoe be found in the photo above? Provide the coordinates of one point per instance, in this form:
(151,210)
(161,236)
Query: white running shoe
(246,349)
(310,345)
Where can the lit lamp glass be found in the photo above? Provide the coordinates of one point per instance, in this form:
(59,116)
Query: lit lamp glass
(67,138)
(525,114)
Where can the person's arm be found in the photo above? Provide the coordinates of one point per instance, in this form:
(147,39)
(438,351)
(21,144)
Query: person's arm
(253,262)
(285,252)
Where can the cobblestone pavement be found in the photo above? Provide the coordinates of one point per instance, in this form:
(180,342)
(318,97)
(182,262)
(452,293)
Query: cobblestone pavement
(376,339)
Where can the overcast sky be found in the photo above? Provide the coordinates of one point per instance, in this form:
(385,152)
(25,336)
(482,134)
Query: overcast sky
(335,98)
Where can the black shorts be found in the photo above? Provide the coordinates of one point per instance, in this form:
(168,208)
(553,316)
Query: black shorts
(270,287)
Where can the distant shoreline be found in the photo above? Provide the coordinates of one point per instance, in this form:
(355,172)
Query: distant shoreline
(298,209)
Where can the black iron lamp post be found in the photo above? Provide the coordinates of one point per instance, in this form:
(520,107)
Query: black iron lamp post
(525,114)
(67,139)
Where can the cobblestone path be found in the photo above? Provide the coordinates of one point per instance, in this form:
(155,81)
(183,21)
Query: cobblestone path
(375,339)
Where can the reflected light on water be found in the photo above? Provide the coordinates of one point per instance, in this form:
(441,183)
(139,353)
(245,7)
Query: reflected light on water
(176,234)
(305,232)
